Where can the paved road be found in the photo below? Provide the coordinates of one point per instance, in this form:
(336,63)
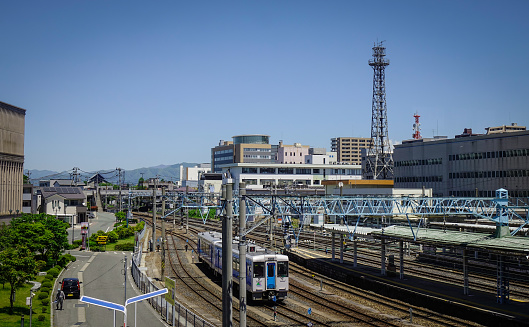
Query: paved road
(104,221)
(102,277)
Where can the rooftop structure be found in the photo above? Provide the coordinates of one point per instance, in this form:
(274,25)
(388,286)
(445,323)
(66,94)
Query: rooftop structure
(505,128)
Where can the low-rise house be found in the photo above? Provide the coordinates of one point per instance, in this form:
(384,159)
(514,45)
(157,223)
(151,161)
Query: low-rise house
(67,203)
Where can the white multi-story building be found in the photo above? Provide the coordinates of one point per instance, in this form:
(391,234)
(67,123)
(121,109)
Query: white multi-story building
(259,175)
(189,176)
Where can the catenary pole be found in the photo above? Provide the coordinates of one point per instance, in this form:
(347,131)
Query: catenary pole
(154,217)
(163,234)
(227,258)
(242,255)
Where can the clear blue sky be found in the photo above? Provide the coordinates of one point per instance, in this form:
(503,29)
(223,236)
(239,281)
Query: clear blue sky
(135,84)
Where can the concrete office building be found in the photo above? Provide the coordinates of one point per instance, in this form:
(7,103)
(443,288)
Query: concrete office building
(348,149)
(252,148)
(468,166)
(12,125)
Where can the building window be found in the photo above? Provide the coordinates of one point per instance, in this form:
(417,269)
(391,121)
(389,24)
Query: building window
(303,171)
(264,170)
(249,170)
(285,171)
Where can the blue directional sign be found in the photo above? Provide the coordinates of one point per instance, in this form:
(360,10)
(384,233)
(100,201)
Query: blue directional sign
(309,311)
(145,296)
(101,303)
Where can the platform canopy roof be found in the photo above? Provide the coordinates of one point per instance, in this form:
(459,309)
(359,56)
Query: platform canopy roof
(512,245)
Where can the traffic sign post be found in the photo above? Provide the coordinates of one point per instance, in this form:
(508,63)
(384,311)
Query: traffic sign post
(119,307)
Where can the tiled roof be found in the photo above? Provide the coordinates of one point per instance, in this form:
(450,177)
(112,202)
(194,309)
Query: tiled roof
(65,192)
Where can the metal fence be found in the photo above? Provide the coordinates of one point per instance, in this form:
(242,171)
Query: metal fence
(177,315)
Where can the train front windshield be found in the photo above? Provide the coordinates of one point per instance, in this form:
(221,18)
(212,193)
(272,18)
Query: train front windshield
(258,270)
(282,269)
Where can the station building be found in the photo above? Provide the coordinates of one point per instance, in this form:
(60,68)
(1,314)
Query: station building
(469,165)
(12,125)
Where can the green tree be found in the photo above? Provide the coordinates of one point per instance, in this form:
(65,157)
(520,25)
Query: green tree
(120,216)
(43,234)
(16,266)
(140,183)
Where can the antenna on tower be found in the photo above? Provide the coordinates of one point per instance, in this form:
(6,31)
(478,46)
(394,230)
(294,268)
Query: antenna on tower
(379,160)
(416,127)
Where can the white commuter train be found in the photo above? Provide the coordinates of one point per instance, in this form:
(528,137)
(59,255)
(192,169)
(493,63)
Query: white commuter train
(266,271)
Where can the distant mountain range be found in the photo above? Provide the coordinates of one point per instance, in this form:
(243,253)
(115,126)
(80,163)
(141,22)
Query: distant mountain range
(165,172)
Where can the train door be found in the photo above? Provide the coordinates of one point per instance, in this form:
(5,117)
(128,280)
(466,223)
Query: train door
(270,275)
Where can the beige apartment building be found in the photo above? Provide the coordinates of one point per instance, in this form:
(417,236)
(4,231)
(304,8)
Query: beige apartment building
(12,122)
(349,149)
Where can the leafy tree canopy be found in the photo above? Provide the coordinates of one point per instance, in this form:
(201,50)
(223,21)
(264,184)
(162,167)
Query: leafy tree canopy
(16,266)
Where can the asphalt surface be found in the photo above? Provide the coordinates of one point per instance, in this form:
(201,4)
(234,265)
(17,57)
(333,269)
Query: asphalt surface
(102,277)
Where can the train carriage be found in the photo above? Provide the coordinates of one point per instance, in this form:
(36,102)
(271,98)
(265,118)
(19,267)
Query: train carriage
(266,271)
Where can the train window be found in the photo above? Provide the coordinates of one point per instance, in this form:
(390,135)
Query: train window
(282,269)
(271,270)
(258,270)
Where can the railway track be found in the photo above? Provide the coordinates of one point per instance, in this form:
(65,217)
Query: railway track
(293,311)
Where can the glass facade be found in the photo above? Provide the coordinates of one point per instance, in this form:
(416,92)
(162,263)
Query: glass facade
(251,139)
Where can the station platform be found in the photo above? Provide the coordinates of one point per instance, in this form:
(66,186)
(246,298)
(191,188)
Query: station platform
(478,306)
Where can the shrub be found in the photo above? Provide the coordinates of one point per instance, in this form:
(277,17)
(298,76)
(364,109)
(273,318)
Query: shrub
(48,277)
(45,289)
(45,302)
(43,295)
(112,237)
(41,264)
(41,317)
(44,309)
(59,268)
(46,283)
(129,246)
(62,261)
(70,257)
(54,272)
(139,226)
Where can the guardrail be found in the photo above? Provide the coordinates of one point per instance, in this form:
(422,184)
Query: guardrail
(177,316)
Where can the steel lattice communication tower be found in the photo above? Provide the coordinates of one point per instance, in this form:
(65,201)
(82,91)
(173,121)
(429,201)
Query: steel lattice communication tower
(379,161)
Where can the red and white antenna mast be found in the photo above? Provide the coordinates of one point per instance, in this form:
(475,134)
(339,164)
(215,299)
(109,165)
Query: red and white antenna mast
(417,127)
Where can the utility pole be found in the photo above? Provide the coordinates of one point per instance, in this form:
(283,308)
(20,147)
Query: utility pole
(242,254)
(125,300)
(154,216)
(119,181)
(187,211)
(163,233)
(129,212)
(227,258)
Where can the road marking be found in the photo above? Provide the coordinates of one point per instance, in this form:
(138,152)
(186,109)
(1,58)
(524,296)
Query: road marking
(81,310)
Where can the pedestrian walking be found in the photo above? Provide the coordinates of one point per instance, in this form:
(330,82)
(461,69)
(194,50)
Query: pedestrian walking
(186,247)
(59,299)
